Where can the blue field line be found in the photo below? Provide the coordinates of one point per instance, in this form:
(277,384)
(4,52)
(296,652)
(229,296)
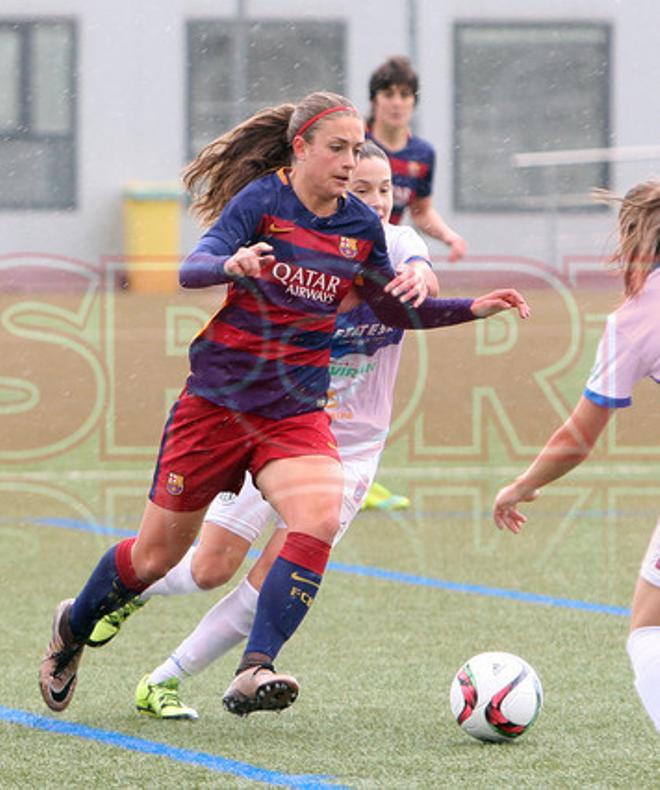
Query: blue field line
(393,576)
(477,589)
(83,526)
(211,762)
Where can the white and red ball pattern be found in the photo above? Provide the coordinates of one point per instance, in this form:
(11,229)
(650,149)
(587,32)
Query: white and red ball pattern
(496,696)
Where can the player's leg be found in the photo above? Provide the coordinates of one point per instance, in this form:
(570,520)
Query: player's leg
(307,494)
(644,639)
(223,627)
(123,572)
(194,438)
(220,552)
(231,526)
(226,624)
(209,564)
(230,620)
(198,457)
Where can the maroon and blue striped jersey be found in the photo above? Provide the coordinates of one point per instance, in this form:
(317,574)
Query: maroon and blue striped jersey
(267,349)
(412,173)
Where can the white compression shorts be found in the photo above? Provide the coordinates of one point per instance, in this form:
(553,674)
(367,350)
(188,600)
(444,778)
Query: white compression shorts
(248,514)
(650,570)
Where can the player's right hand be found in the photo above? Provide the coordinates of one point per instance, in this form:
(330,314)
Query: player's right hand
(505,509)
(247,261)
(496,301)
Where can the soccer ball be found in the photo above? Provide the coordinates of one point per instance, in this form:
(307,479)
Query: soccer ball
(496,696)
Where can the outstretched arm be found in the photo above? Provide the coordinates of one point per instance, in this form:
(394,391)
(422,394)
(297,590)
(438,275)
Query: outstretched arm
(568,447)
(381,297)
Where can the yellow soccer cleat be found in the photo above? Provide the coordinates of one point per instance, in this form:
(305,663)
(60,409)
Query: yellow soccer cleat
(108,626)
(380,498)
(161,700)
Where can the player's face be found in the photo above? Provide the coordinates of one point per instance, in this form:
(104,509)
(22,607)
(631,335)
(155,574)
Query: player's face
(327,162)
(394,106)
(372,183)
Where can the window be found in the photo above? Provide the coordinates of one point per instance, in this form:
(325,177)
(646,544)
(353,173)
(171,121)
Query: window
(37,111)
(236,68)
(528,87)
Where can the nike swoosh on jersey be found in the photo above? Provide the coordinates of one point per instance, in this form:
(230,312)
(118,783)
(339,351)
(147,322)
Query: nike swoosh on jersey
(273,228)
(298,578)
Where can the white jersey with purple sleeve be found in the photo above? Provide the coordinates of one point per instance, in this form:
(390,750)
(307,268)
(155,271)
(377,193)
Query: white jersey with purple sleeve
(629,349)
(364,361)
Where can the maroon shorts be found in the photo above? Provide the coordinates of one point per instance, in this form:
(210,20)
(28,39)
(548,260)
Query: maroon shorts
(207,448)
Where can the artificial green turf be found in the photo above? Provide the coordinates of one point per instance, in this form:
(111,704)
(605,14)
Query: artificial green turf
(375,660)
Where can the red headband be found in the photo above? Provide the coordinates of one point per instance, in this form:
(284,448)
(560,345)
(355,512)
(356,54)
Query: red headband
(322,114)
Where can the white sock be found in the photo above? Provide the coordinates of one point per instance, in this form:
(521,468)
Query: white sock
(644,651)
(177,581)
(225,625)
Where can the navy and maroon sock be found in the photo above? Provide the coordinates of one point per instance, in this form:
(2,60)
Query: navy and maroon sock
(286,596)
(112,584)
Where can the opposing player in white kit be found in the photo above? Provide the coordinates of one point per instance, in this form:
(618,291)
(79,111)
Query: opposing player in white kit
(629,351)
(363,368)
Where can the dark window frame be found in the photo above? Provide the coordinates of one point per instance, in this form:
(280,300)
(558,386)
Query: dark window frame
(607,99)
(25,27)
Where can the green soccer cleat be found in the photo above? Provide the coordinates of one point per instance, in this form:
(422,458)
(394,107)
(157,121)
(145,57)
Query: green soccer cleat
(161,700)
(108,626)
(380,498)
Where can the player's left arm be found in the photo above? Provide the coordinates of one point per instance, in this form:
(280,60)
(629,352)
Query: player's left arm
(427,219)
(375,280)
(567,448)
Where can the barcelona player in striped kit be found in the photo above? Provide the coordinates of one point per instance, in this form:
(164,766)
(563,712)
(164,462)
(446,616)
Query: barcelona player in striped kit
(393,92)
(364,366)
(290,243)
(629,351)
(364,361)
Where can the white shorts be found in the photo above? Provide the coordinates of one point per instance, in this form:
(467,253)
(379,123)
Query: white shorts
(650,570)
(248,514)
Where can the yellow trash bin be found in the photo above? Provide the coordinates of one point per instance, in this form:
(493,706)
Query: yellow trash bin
(152,220)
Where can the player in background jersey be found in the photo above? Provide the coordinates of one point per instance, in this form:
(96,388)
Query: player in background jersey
(393,92)
(629,351)
(364,363)
(290,243)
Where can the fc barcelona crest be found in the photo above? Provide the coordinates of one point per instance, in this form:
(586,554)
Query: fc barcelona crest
(348,247)
(414,169)
(174,484)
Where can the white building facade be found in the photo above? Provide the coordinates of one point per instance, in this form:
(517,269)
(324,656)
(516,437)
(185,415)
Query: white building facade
(96,95)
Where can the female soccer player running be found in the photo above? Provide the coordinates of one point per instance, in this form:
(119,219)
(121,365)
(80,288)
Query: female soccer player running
(628,352)
(364,364)
(291,244)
